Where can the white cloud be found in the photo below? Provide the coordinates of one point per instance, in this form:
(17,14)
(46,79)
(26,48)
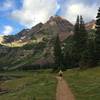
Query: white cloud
(8,4)
(35,11)
(87,11)
(7,30)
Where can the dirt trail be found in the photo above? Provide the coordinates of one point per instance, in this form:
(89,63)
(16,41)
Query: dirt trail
(63,91)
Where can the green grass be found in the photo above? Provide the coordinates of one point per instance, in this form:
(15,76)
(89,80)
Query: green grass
(84,84)
(31,86)
(41,85)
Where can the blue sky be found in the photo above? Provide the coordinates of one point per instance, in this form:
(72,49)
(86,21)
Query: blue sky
(16,15)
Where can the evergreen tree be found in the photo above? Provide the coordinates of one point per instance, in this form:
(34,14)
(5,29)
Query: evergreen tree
(76,30)
(97,39)
(84,53)
(83,35)
(76,37)
(58,57)
(80,41)
(91,53)
(68,53)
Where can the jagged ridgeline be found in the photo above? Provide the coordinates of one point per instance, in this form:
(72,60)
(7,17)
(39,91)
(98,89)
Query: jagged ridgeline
(34,47)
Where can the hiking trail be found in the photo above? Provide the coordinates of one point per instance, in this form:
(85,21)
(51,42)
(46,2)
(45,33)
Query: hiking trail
(63,91)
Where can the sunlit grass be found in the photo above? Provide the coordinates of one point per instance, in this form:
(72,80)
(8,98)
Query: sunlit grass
(84,84)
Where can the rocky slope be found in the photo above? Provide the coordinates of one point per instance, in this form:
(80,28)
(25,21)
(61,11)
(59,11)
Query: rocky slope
(90,25)
(34,46)
(55,25)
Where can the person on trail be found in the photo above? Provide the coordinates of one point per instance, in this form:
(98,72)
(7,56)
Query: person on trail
(60,73)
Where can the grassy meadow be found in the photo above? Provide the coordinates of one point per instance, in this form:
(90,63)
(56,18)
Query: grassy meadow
(39,85)
(85,84)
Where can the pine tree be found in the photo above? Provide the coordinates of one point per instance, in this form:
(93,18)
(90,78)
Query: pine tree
(76,29)
(80,40)
(83,35)
(76,37)
(91,53)
(58,57)
(97,39)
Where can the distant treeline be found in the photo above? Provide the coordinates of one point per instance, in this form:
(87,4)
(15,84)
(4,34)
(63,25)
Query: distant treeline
(36,67)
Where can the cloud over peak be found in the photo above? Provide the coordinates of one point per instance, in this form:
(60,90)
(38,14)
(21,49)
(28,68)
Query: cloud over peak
(35,11)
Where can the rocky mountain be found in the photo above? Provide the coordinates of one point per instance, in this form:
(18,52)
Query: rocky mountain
(28,33)
(55,25)
(90,25)
(58,25)
(34,46)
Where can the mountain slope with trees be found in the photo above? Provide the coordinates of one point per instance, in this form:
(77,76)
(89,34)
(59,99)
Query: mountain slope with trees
(40,46)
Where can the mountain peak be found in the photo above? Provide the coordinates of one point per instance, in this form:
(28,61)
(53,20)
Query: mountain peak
(54,18)
(55,25)
(59,25)
(57,19)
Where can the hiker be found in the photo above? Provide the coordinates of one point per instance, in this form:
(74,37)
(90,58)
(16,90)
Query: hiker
(60,73)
